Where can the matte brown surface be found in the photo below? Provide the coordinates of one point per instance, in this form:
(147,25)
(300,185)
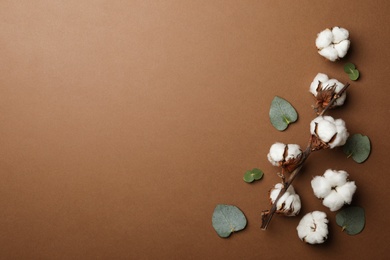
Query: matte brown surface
(124,123)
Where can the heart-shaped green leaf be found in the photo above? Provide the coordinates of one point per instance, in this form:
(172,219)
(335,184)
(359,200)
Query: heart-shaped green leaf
(228,219)
(351,220)
(282,113)
(253,175)
(358,147)
(351,70)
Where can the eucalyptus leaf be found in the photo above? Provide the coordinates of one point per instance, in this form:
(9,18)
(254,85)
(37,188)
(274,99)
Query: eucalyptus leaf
(282,113)
(348,67)
(253,175)
(358,147)
(351,70)
(351,220)
(228,219)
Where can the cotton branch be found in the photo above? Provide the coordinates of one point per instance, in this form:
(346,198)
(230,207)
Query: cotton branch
(313,145)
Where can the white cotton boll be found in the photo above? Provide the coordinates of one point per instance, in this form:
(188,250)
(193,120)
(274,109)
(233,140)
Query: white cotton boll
(346,191)
(313,228)
(293,151)
(320,77)
(333,44)
(294,203)
(289,203)
(335,178)
(326,130)
(334,188)
(342,134)
(339,34)
(339,86)
(324,38)
(324,92)
(342,48)
(321,187)
(329,52)
(333,201)
(276,153)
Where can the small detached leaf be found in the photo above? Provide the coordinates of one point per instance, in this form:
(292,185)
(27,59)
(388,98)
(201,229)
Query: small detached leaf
(351,220)
(282,113)
(351,70)
(358,147)
(253,175)
(228,219)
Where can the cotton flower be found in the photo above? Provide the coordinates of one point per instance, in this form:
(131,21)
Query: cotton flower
(289,203)
(324,89)
(333,44)
(313,228)
(328,132)
(334,189)
(285,155)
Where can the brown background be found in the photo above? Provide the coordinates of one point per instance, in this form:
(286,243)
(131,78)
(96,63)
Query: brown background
(124,123)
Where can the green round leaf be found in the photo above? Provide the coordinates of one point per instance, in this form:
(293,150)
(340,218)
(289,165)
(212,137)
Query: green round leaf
(254,174)
(248,177)
(282,113)
(351,220)
(348,67)
(228,219)
(354,75)
(358,147)
(257,174)
(351,70)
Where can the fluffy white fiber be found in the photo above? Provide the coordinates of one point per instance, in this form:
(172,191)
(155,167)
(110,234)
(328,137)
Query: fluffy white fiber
(276,153)
(333,44)
(326,128)
(280,153)
(313,228)
(321,82)
(289,203)
(334,188)
(293,151)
